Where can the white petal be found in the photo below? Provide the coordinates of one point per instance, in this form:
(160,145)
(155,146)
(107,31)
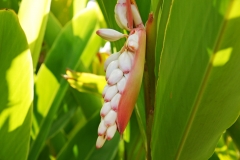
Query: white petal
(126,76)
(132,42)
(121,84)
(136,16)
(121,15)
(111,131)
(100,141)
(111,58)
(115,76)
(105,109)
(110,34)
(111,92)
(112,66)
(131,55)
(125,62)
(105,90)
(102,128)
(110,118)
(115,101)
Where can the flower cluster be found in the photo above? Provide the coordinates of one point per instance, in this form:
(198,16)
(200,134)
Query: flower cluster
(124,71)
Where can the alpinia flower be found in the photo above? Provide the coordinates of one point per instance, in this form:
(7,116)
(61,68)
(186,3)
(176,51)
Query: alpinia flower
(124,71)
(123,74)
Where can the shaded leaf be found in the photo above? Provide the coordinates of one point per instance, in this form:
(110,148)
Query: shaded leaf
(198,88)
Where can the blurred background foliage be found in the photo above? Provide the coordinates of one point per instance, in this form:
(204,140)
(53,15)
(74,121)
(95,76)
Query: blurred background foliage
(62,120)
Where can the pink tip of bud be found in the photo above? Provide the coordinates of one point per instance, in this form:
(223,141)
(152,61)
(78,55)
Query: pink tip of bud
(105,109)
(111,92)
(110,118)
(102,128)
(115,101)
(100,141)
(111,131)
(115,76)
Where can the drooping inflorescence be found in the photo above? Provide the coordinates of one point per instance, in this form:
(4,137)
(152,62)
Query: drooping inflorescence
(124,71)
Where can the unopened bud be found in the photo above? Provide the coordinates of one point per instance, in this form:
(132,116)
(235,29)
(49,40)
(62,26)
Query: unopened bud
(121,15)
(100,141)
(111,58)
(111,131)
(115,76)
(110,34)
(102,128)
(136,16)
(105,109)
(110,118)
(111,92)
(125,63)
(132,42)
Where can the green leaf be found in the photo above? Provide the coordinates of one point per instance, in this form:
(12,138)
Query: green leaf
(33,17)
(66,52)
(53,28)
(234,132)
(16,86)
(198,86)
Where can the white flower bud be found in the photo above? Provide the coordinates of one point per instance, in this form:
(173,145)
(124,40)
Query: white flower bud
(136,16)
(100,141)
(121,15)
(111,131)
(111,92)
(126,76)
(102,128)
(111,58)
(121,85)
(125,62)
(115,101)
(105,90)
(110,34)
(105,109)
(110,118)
(132,42)
(112,66)
(115,76)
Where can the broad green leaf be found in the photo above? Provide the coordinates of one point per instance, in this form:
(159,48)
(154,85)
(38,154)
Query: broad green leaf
(144,9)
(78,5)
(53,28)
(66,52)
(81,145)
(16,86)
(198,86)
(10,4)
(33,15)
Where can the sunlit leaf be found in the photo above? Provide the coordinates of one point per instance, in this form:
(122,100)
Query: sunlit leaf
(33,15)
(50,86)
(16,86)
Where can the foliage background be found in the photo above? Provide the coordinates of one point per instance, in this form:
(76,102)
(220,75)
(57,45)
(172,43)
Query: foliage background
(191,81)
